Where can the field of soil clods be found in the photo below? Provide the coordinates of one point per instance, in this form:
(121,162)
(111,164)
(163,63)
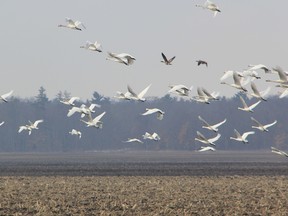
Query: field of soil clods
(143,183)
(150,195)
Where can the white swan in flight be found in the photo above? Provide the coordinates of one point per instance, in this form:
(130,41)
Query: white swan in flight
(94,122)
(5,96)
(159,112)
(35,124)
(153,136)
(282,76)
(69,101)
(25,127)
(237,82)
(123,58)
(2,123)
(123,96)
(285,91)
(76,132)
(210,6)
(167,61)
(243,137)
(201,138)
(92,46)
(246,107)
(259,66)
(277,151)
(72,24)
(83,109)
(211,127)
(206,148)
(202,97)
(262,127)
(228,74)
(133,140)
(180,89)
(140,96)
(30,126)
(257,94)
(212,96)
(245,76)
(251,73)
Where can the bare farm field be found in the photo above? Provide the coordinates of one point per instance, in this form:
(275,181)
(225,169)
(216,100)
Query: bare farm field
(161,184)
(144,195)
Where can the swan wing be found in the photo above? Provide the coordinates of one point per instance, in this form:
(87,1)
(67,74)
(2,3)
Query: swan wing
(254,105)
(236,79)
(5,96)
(164,58)
(78,23)
(72,99)
(150,111)
(243,102)
(155,136)
(97,118)
(278,151)
(92,106)
(219,124)
(201,136)
(269,125)
(73,110)
(284,93)
(21,128)
(266,91)
(207,93)
(130,90)
(256,67)
(98,46)
(258,123)
(176,88)
(207,148)
(254,89)
(281,73)
(203,120)
(69,21)
(238,135)
(226,75)
(37,122)
(246,134)
(171,59)
(142,93)
(214,139)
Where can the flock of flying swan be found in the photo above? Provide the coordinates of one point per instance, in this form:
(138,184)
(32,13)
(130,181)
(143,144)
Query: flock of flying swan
(29,127)
(240,80)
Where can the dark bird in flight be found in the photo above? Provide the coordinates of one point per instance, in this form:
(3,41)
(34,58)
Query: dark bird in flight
(199,62)
(166,61)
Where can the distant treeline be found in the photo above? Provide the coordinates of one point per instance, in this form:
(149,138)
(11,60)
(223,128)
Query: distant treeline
(123,120)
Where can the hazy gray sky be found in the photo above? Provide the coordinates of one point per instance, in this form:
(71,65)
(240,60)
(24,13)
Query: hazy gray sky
(35,52)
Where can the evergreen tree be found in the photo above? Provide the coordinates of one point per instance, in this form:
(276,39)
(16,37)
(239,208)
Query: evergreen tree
(41,99)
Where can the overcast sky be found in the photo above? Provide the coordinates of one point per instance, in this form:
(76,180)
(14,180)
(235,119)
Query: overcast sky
(35,52)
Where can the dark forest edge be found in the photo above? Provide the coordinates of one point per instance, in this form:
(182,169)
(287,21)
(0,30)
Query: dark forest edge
(123,120)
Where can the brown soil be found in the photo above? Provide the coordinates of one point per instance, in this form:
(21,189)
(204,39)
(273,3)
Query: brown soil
(143,195)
